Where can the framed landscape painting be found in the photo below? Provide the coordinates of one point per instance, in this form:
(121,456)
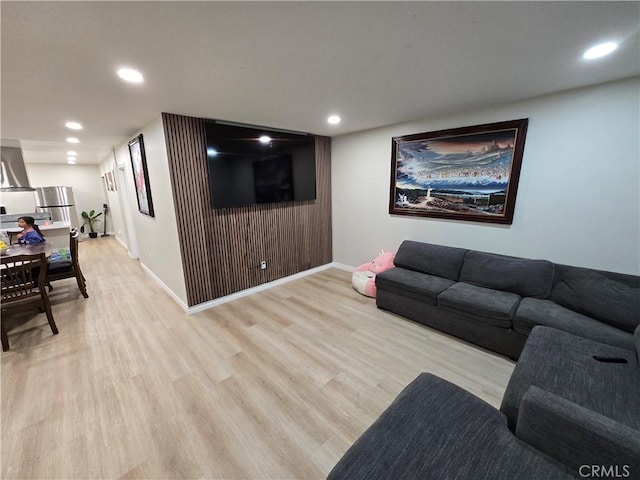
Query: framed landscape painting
(468,173)
(141,176)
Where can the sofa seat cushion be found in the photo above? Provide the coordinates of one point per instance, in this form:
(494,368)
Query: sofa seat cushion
(418,285)
(593,294)
(436,430)
(532,312)
(528,278)
(564,365)
(438,260)
(490,306)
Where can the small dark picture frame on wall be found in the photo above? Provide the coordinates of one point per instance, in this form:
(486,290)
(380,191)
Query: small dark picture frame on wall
(468,173)
(141,176)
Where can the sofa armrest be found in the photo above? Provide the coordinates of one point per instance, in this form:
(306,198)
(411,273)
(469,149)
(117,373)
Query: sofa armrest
(576,436)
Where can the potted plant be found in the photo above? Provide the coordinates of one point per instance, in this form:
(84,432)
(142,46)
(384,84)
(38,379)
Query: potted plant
(90,219)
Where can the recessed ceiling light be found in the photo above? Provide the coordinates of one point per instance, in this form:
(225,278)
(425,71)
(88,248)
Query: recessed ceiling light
(73,140)
(333,119)
(600,50)
(72,152)
(71,161)
(73,125)
(264,139)
(130,75)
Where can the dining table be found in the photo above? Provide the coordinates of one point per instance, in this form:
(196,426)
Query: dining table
(17,250)
(11,256)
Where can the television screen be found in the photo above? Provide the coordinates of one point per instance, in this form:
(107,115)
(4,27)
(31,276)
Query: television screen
(250,165)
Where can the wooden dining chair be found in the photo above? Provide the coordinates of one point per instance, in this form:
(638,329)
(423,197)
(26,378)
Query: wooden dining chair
(23,283)
(59,269)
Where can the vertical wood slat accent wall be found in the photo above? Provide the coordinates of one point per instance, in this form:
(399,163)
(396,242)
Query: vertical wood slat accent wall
(222,248)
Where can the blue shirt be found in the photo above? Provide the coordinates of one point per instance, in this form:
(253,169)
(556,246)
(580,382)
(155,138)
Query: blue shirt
(31,237)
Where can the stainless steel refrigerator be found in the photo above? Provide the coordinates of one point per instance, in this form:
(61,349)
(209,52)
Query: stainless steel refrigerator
(59,203)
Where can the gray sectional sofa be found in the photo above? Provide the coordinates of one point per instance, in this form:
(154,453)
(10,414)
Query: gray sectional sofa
(495,300)
(572,405)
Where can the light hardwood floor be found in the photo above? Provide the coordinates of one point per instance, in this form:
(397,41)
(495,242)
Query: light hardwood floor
(276,385)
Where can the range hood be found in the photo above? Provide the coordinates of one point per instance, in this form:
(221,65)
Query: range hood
(13,174)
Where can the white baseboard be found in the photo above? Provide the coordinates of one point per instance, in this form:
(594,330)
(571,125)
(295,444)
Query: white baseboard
(243,293)
(342,266)
(121,242)
(164,286)
(126,247)
(265,286)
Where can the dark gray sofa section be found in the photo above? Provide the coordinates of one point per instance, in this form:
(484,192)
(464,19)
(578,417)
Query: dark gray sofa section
(527,278)
(532,312)
(577,400)
(612,298)
(495,300)
(490,306)
(458,323)
(436,430)
(570,403)
(579,370)
(576,435)
(418,285)
(438,260)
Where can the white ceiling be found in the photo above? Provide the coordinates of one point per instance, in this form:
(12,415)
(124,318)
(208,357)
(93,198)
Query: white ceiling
(288,64)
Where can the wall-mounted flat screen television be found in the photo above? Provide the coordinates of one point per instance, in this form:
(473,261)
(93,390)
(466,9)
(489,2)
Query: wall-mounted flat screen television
(251,165)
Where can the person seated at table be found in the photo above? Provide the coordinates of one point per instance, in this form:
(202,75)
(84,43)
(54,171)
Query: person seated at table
(30,231)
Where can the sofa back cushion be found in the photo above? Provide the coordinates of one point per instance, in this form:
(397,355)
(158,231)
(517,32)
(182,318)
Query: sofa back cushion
(594,294)
(428,258)
(527,278)
(624,278)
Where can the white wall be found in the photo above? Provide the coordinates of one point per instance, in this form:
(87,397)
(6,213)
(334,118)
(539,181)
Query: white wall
(156,238)
(578,199)
(115,222)
(88,191)
(18,202)
(124,224)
